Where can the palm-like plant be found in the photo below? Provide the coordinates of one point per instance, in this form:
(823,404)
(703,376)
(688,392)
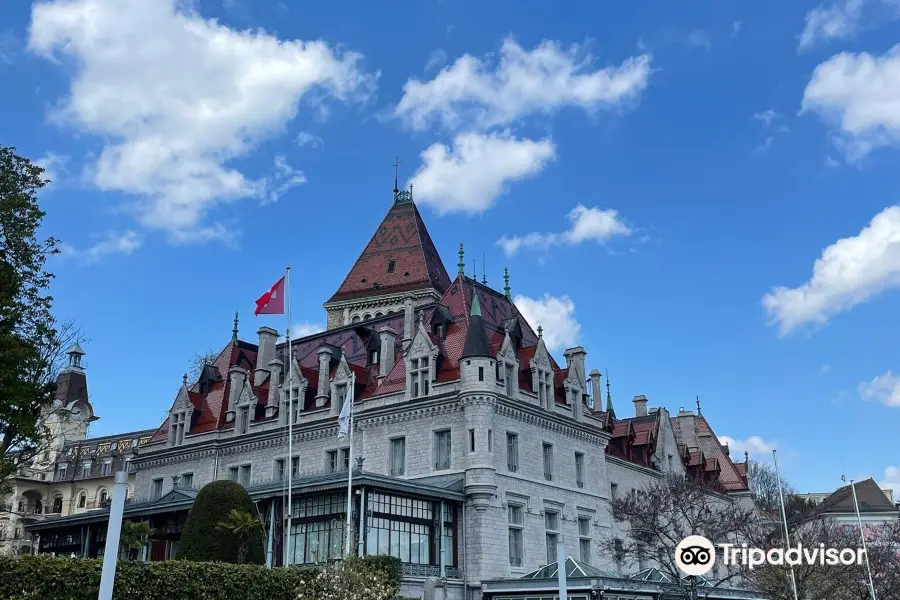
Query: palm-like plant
(242,525)
(135,535)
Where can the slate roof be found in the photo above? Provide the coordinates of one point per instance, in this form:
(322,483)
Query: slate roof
(868,495)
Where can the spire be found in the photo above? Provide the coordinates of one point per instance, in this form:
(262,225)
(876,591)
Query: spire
(746,456)
(75,353)
(234,332)
(506,283)
(462,262)
(477,344)
(699,414)
(396,177)
(609,406)
(483,270)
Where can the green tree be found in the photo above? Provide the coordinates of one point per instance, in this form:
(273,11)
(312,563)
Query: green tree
(134,536)
(243,526)
(30,339)
(203,539)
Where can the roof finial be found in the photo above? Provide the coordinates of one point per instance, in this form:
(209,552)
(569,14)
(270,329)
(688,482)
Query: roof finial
(506,282)
(698,406)
(234,331)
(184,380)
(462,263)
(540,332)
(483,269)
(746,456)
(410,192)
(608,395)
(396,176)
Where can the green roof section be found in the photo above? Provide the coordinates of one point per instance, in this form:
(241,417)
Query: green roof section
(575,569)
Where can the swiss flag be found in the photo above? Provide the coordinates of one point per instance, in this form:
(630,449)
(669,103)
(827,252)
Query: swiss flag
(272,302)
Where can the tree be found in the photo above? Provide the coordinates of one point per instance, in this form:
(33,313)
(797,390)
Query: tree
(204,540)
(243,526)
(763,482)
(353,579)
(662,514)
(30,339)
(134,536)
(200,360)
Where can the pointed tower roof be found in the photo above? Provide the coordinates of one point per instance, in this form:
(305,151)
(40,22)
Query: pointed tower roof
(477,343)
(400,257)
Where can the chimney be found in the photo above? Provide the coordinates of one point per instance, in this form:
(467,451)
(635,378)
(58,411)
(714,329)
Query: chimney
(264,354)
(575,363)
(640,406)
(596,393)
(276,368)
(409,322)
(386,354)
(237,377)
(324,389)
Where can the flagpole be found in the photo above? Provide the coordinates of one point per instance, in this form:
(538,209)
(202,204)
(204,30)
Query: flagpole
(862,538)
(787,540)
(352,397)
(290,420)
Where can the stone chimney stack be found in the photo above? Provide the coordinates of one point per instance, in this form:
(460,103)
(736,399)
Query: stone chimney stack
(409,322)
(324,389)
(276,368)
(596,390)
(575,362)
(268,337)
(640,406)
(386,354)
(237,376)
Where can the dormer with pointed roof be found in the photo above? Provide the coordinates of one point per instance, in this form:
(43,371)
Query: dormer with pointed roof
(399,260)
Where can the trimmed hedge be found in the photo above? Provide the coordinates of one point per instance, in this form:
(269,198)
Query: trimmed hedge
(203,539)
(48,577)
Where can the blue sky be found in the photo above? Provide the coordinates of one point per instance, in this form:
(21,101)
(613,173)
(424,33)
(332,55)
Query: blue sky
(699,193)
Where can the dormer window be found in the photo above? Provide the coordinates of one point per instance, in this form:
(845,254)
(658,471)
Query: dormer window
(418,373)
(392,264)
(286,411)
(544,388)
(373,357)
(243,420)
(178,422)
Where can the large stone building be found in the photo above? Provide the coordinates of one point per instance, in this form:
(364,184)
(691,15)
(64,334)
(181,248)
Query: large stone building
(72,474)
(477,450)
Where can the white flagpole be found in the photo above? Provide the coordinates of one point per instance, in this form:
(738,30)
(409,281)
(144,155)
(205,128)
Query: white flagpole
(290,420)
(351,397)
(787,540)
(862,538)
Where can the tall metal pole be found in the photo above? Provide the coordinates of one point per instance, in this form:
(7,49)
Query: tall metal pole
(787,539)
(290,419)
(561,569)
(862,538)
(350,397)
(113,532)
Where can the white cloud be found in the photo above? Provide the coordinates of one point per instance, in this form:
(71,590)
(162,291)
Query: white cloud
(891,481)
(839,21)
(883,388)
(111,243)
(308,139)
(436,60)
(754,444)
(54,166)
(471,175)
(556,315)
(767,117)
(699,39)
(859,94)
(9,47)
(175,98)
(472,92)
(850,271)
(587,224)
(285,178)
(301,330)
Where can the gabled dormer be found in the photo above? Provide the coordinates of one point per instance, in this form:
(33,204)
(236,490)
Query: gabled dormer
(180,415)
(293,388)
(340,384)
(241,400)
(507,371)
(421,364)
(542,373)
(441,320)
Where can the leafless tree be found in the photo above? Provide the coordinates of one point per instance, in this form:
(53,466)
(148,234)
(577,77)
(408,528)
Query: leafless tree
(200,360)
(662,514)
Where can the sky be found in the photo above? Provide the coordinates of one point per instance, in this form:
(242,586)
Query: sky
(704,195)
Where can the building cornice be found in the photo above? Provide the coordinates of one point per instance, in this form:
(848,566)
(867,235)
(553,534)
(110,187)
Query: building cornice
(551,422)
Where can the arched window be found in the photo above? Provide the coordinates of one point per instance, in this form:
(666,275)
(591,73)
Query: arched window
(392,264)
(379,314)
(103,496)
(355,319)
(82,499)
(366,317)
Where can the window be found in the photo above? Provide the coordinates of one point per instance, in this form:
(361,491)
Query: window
(391,266)
(317,532)
(177,426)
(545,389)
(156,488)
(548,462)
(471,440)
(106,467)
(418,373)
(291,405)
(584,539)
(613,491)
(490,441)
(61,471)
(243,424)
(516,520)
(233,473)
(244,479)
(510,382)
(280,473)
(579,469)
(86,469)
(373,357)
(512,452)
(128,464)
(405,528)
(441,450)
(671,468)
(104,495)
(82,500)
(331,461)
(398,456)
(187,480)
(480,373)
(57,505)
(341,394)
(295,466)
(551,524)
(345,458)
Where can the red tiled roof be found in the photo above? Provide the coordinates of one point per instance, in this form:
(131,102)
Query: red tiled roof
(730,478)
(403,238)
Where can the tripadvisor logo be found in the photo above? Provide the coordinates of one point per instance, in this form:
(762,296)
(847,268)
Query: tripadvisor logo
(695,555)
